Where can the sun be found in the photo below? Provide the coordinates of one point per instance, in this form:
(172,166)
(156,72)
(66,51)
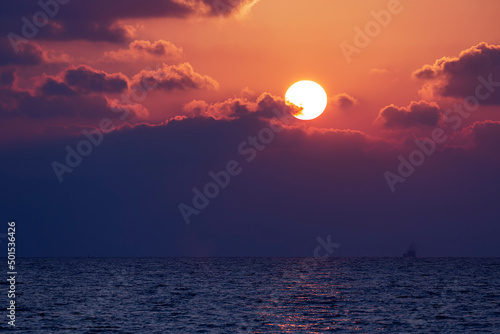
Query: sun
(309,96)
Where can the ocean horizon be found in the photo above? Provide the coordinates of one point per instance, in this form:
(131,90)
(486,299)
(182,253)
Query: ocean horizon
(257,295)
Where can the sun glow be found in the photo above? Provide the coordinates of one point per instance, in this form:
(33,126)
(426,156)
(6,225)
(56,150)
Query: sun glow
(309,96)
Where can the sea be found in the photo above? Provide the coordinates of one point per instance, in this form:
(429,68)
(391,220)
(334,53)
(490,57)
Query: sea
(256,295)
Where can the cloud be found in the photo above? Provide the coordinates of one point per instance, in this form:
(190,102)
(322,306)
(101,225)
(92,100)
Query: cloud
(226,7)
(83,79)
(420,113)
(460,76)
(304,183)
(344,101)
(97,20)
(28,54)
(23,104)
(88,79)
(171,77)
(78,92)
(52,87)
(141,49)
(485,134)
(7,77)
(264,107)
(86,93)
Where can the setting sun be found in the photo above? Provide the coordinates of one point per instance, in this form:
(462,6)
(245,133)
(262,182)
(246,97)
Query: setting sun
(309,96)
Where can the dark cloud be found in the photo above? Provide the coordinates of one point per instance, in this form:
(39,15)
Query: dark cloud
(267,104)
(264,106)
(77,92)
(97,20)
(83,79)
(56,102)
(227,7)
(460,76)
(485,133)
(344,101)
(301,185)
(28,54)
(51,87)
(91,80)
(87,88)
(181,77)
(420,113)
(7,77)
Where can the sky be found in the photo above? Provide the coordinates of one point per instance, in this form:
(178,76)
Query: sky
(160,128)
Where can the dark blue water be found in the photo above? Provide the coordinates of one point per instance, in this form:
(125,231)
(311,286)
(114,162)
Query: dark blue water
(258,295)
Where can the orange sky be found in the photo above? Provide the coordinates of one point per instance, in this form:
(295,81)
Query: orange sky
(277,43)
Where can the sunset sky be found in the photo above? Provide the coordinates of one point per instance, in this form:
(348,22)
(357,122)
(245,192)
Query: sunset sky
(184,83)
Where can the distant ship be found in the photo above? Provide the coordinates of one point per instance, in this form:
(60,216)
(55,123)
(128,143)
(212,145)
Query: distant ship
(411,252)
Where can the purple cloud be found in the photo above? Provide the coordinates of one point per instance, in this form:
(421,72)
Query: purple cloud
(420,113)
(459,77)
